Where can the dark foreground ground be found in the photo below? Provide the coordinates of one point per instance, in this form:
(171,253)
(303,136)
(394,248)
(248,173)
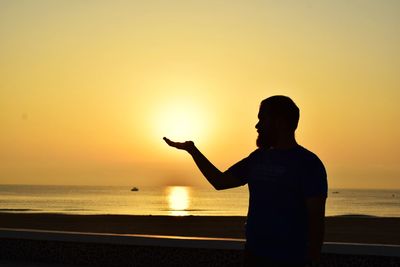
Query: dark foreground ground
(354,229)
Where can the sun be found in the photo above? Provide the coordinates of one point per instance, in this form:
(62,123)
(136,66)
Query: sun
(181,121)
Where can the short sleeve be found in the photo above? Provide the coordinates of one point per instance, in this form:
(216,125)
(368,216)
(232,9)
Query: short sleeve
(241,169)
(315,183)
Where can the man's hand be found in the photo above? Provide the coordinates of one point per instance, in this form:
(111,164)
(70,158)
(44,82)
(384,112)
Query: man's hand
(218,179)
(187,146)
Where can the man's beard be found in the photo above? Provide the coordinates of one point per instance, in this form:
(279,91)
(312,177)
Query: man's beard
(264,141)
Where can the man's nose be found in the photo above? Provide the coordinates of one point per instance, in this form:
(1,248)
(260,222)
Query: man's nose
(257,125)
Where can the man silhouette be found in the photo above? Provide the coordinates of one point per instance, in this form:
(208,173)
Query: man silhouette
(287,185)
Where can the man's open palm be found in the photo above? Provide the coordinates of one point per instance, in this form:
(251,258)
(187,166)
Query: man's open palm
(188,145)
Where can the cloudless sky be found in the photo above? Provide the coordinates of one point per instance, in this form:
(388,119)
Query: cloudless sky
(89,88)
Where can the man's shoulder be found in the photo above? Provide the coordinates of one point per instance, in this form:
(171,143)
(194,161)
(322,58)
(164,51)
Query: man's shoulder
(300,154)
(255,153)
(308,156)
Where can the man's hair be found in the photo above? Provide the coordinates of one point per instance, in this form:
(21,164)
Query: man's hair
(280,106)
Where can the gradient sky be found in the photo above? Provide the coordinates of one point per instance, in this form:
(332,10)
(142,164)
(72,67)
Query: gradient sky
(89,88)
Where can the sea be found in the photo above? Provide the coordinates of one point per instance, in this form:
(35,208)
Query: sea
(176,201)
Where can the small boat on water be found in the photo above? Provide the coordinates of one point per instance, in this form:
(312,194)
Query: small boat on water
(135,189)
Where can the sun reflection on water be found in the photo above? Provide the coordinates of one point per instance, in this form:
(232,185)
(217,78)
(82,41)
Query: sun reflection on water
(178,200)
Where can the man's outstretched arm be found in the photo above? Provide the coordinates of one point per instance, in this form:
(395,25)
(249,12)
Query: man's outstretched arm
(215,177)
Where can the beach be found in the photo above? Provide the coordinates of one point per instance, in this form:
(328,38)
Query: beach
(352,229)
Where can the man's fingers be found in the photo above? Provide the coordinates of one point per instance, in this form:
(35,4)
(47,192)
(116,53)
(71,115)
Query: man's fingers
(171,143)
(167,140)
(179,145)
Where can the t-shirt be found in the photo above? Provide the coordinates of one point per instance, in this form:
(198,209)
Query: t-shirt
(279,182)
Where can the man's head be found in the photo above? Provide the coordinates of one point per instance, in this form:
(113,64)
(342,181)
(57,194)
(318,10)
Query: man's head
(278,118)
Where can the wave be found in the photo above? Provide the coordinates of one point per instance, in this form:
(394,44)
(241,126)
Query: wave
(20,210)
(76,210)
(355,215)
(186,210)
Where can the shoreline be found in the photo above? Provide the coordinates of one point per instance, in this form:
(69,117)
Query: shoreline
(344,228)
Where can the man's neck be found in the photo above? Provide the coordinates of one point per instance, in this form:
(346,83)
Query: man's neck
(286,142)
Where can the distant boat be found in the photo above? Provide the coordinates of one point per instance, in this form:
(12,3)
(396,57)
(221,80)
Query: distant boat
(335,192)
(135,189)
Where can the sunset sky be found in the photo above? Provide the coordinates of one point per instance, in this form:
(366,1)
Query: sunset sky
(89,88)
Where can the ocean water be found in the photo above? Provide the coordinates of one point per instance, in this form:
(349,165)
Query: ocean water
(176,201)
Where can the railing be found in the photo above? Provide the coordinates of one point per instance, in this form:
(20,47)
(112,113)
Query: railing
(148,250)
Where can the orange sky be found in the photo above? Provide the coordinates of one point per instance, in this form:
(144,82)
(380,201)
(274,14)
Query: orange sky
(89,88)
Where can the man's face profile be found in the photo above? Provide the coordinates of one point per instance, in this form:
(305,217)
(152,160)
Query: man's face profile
(266,129)
(277,120)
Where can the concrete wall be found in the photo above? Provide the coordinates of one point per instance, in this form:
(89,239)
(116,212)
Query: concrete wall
(89,249)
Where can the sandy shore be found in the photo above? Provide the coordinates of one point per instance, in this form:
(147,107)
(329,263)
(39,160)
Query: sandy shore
(357,229)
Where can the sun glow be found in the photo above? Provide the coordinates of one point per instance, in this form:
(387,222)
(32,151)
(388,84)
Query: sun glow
(178,200)
(181,121)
